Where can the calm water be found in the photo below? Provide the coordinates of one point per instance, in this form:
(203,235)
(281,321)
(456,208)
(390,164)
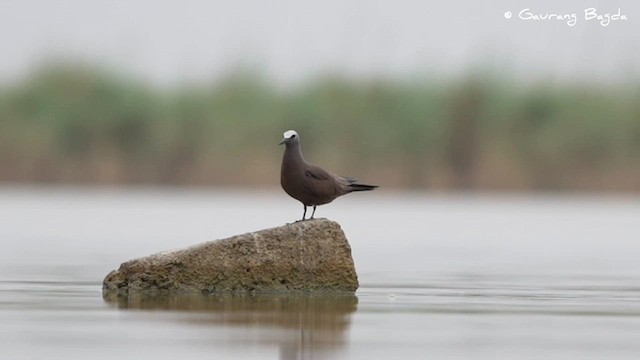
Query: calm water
(443,277)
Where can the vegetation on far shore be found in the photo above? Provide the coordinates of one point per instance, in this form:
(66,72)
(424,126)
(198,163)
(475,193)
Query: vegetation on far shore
(78,124)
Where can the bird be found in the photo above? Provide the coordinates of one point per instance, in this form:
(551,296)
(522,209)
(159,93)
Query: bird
(310,184)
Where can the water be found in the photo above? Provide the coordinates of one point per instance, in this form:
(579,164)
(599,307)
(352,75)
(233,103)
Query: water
(446,277)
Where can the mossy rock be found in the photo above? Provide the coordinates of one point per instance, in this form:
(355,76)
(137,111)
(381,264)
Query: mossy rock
(311,255)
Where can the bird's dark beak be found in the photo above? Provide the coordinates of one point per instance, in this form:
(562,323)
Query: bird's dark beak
(282,142)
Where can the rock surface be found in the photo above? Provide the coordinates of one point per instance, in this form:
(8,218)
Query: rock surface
(306,255)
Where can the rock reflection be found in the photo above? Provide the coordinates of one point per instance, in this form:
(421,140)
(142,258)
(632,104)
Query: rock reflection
(308,325)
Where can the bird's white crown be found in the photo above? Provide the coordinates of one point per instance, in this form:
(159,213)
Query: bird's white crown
(289,133)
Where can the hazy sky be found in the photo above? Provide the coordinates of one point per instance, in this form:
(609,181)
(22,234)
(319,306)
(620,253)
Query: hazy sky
(167,41)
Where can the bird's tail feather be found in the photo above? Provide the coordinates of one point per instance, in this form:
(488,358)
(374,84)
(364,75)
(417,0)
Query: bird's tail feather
(352,184)
(361,187)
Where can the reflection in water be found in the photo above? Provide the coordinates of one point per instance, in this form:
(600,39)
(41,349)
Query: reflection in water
(312,325)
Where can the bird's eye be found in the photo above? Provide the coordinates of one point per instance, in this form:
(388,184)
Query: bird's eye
(293,136)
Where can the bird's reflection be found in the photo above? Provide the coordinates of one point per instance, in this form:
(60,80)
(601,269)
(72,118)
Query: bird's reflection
(305,325)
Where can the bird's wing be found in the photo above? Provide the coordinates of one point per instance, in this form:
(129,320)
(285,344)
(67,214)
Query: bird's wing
(349,179)
(317,173)
(321,183)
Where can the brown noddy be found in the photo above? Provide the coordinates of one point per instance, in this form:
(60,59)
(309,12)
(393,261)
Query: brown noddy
(310,184)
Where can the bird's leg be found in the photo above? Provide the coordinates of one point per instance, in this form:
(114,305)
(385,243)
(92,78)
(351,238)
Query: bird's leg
(305,212)
(314,211)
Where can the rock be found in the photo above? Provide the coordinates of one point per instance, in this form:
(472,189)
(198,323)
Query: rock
(306,255)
